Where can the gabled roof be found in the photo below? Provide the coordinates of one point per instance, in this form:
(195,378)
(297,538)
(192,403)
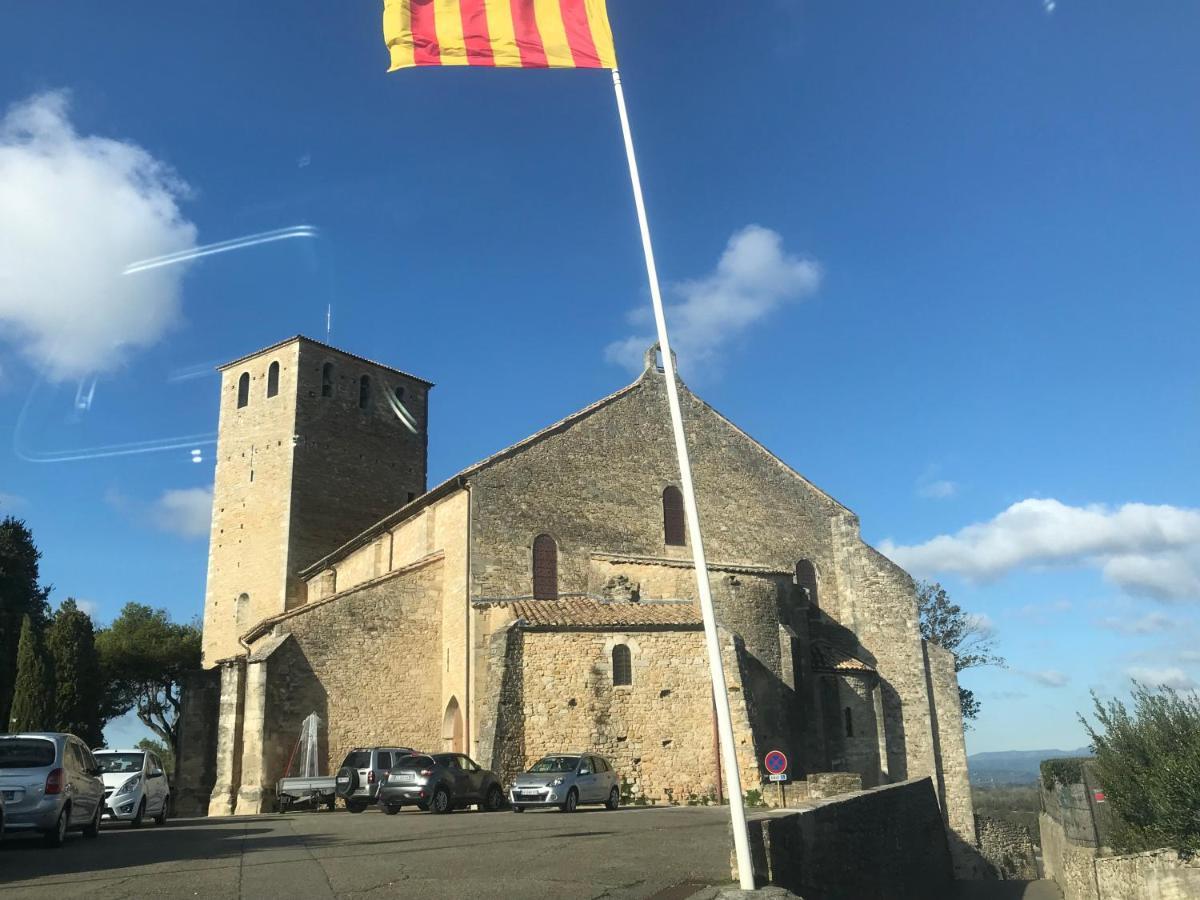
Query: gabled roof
(323,346)
(594,612)
(827,657)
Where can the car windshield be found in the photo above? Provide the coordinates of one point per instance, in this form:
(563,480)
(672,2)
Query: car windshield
(555,764)
(120,763)
(26,753)
(415,761)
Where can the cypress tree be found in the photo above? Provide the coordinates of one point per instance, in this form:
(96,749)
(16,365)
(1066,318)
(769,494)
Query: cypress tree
(71,646)
(20,596)
(33,698)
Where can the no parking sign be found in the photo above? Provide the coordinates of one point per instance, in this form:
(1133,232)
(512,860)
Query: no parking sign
(776,763)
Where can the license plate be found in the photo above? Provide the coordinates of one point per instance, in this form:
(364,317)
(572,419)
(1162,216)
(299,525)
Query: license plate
(528,795)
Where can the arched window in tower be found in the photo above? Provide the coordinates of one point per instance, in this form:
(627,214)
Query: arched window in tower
(849,722)
(672,501)
(622,665)
(327,380)
(243,390)
(364,391)
(806,580)
(545,568)
(273,380)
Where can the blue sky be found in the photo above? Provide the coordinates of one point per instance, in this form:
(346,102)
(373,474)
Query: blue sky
(939,258)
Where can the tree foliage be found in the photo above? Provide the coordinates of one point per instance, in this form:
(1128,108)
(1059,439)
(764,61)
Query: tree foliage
(71,645)
(972,642)
(143,658)
(164,753)
(1148,762)
(20,596)
(33,696)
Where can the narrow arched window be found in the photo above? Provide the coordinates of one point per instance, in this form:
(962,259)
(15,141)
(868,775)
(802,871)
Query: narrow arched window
(327,380)
(364,391)
(673,516)
(849,722)
(622,665)
(806,580)
(545,568)
(399,392)
(243,390)
(273,380)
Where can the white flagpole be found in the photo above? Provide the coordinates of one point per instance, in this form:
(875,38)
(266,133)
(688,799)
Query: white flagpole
(737,811)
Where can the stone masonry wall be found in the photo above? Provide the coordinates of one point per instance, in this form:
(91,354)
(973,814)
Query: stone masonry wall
(887,843)
(1008,848)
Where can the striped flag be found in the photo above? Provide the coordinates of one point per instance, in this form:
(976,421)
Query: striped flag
(531,34)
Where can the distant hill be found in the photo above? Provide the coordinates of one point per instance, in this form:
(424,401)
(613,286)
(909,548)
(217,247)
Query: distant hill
(1013,766)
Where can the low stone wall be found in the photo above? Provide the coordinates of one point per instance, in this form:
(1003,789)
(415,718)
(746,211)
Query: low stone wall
(1069,864)
(886,843)
(1157,875)
(1008,849)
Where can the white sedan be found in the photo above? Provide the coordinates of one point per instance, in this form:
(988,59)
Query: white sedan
(135,786)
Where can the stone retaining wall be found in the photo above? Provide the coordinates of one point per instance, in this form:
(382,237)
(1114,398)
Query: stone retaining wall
(1008,848)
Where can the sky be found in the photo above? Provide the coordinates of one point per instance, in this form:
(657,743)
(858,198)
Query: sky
(938,257)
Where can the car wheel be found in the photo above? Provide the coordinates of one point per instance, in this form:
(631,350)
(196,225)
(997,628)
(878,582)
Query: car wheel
(92,829)
(441,801)
(355,806)
(614,799)
(423,807)
(571,802)
(56,835)
(331,804)
(518,809)
(161,818)
(494,799)
(139,815)
(390,809)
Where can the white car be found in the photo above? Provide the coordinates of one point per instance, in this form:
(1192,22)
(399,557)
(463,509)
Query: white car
(135,786)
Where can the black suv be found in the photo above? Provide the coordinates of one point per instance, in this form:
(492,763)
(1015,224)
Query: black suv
(440,782)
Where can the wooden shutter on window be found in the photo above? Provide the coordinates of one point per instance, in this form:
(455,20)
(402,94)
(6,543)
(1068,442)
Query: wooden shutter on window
(545,568)
(673,516)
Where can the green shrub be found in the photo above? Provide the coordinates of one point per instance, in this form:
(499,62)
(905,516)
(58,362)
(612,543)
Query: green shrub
(1148,762)
(1067,770)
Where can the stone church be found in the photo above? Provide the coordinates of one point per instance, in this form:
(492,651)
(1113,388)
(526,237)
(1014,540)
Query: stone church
(541,599)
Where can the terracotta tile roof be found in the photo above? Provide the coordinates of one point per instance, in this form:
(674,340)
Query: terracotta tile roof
(828,658)
(588,612)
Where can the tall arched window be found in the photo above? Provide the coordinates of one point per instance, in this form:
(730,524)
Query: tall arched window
(273,380)
(327,380)
(622,665)
(545,568)
(364,391)
(673,516)
(806,580)
(849,716)
(243,390)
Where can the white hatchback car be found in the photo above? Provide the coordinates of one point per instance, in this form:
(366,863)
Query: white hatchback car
(135,786)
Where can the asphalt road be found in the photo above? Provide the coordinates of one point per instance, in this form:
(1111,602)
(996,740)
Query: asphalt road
(630,853)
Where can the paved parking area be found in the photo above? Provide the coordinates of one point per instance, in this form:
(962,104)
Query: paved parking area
(630,853)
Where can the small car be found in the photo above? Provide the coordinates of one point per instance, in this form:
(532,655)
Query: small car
(135,786)
(440,782)
(50,783)
(565,780)
(361,773)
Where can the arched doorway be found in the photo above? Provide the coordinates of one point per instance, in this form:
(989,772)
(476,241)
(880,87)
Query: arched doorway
(452,727)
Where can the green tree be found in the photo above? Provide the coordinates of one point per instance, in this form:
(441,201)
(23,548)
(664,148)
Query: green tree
(1148,763)
(20,596)
(968,637)
(78,691)
(33,697)
(143,658)
(163,751)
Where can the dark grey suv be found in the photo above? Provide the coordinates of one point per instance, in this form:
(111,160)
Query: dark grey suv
(440,782)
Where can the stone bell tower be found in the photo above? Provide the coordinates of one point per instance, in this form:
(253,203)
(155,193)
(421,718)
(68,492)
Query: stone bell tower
(313,446)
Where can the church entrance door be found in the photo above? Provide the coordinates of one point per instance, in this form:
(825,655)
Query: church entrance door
(452,728)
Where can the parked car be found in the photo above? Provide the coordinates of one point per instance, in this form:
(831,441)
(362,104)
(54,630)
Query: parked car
(51,784)
(362,771)
(440,782)
(565,780)
(1,815)
(135,786)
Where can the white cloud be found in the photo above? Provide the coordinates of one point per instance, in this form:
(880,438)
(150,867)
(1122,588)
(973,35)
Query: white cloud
(937,490)
(753,278)
(88,606)
(10,502)
(1147,624)
(1047,677)
(1168,676)
(186,512)
(1150,550)
(74,211)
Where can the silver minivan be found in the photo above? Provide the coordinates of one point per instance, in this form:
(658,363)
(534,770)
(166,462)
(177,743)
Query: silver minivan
(565,780)
(51,784)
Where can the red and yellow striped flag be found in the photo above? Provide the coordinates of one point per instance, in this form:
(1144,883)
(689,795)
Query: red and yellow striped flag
(523,33)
